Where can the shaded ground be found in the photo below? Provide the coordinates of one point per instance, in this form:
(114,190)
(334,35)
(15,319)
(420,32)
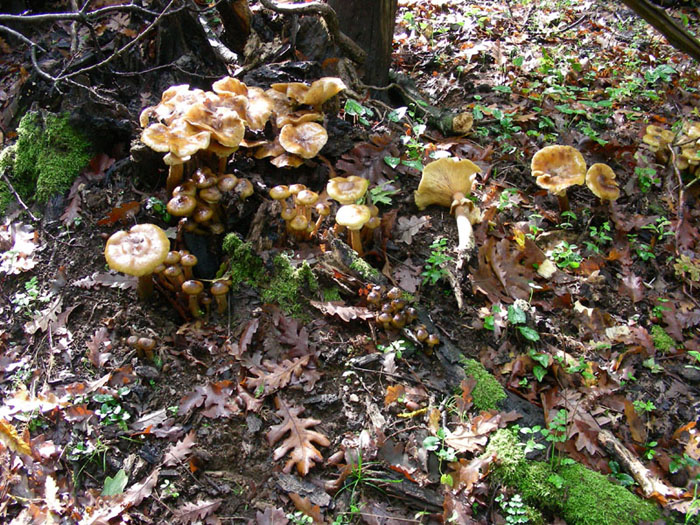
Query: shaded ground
(608,338)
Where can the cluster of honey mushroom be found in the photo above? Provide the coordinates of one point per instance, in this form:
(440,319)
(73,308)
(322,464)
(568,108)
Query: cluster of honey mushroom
(198,201)
(659,139)
(298,205)
(393,313)
(194,127)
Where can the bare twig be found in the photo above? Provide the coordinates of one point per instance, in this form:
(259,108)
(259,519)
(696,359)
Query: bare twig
(346,44)
(19,199)
(80,16)
(19,35)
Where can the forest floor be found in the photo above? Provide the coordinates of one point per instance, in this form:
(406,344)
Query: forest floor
(588,319)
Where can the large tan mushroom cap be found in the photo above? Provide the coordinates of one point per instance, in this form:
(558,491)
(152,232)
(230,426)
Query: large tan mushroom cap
(347,190)
(558,167)
(174,102)
(322,90)
(442,179)
(305,140)
(297,118)
(180,138)
(287,160)
(353,216)
(271,149)
(230,85)
(138,251)
(600,179)
(224,124)
(260,108)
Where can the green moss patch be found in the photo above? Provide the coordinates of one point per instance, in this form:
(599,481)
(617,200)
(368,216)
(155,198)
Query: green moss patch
(488,392)
(662,341)
(578,494)
(47,157)
(284,288)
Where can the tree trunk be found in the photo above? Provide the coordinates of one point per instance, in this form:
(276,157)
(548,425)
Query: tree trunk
(370,23)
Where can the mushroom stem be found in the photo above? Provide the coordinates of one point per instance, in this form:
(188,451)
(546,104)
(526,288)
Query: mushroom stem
(464,224)
(563,199)
(174,177)
(356,242)
(222,164)
(145,286)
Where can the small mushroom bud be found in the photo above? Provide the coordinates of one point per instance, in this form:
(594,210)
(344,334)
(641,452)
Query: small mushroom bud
(398,320)
(132,340)
(226,182)
(188,261)
(217,228)
(394,293)
(304,200)
(175,276)
(145,346)
(432,341)
(323,210)
(386,308)
(374,298)
(385,319)
(298,225)
(193,289)
(288,213)
(279,193)
(397,305)
(421,333)
(181,205)
(206,301)
(172,258)
(204,178)
(186,188)
(219,289)
(294,189)
(244,188)
(210,195)
(202,213)
(411,314)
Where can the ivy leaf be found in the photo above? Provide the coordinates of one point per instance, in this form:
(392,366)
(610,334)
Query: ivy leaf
(539,372)
(415,164)
(115,485)
(516,315)
(529,334)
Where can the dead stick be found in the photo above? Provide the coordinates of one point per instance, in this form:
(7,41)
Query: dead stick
(19,199)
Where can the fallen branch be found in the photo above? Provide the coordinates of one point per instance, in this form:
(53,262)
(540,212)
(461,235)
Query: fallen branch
(346,44)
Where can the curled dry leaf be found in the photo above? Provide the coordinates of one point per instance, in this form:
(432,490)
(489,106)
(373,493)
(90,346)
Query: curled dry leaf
(300,440)
(99,347)
(179,451)
(113,280)
(192,512)
(272,376)
(346,313)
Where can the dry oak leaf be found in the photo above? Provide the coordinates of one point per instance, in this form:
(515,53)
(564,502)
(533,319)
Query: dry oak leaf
(367,160)
(472,436)
(113,280)
(99,346)
(12,440)
(406,228)
(45,317)
(179,451)
(346,313)
(191,512)
(307,507)
(19,258)
(300,440)
(274,376)
(216,398)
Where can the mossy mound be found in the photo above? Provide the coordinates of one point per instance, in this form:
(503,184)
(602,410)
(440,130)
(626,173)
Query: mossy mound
(47,157)
(488,392)
(581,496)
(285,287)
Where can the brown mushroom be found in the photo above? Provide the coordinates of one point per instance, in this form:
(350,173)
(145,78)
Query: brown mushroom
(181,205)
(447,182)
(657,138)
(353,217)
(304,140)
(556,168)
(145,347)
(347,190)
(219,289)
(193,289)
(138,252)
(188,261)
(600,179)
(322,90)
(323,210)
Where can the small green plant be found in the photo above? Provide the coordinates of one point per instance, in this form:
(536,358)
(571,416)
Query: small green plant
(662,341)
(646,178)
(652,365)
(556,431)
(435,265)
(622,478)
(158,207)
(659,309)
(649,450)
(599,236)
(398,347)
(695,355)
(361,475)
(542,363)
(534,225)
(29,301)
(382,195)
(110,411)
(86,452)
(444,453)
(687,268)
(531,444)
(168,490)
(565,255)
(359,112)
(568,218)
(643,250)
(514,509)
(659,228)
(642,407)
(504,201)
(678,463)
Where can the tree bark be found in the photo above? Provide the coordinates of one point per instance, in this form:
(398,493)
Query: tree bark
(370,23)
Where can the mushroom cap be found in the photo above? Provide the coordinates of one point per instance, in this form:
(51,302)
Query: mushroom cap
(442,179)
(298,223)
(280,192)
(181,205)
(179,138)
(259,109)
(353,216)
(188,259)
(322,90)
(287,160)
(305,139)
(271,149)
(558,167)
(244,188)
(219,288)
(138,251)
(307,197)
(293,90)
(226,182)
(210,195)
(600,179)
(221,151)
(225,125)
(347,190)
(230,85)
(192,287)
(298,118)
(173,104)
(657,137)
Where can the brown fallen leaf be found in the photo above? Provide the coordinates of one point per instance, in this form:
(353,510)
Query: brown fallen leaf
(191,512)
(393,393)
(271,517)
(346,313)
(272,376)
(124,213)
(178,452)
(304,505)
(300,440)
(99,347)
(20,257)
(473,435)
(12,440)
(636,426)
(45,317)
(113,280)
